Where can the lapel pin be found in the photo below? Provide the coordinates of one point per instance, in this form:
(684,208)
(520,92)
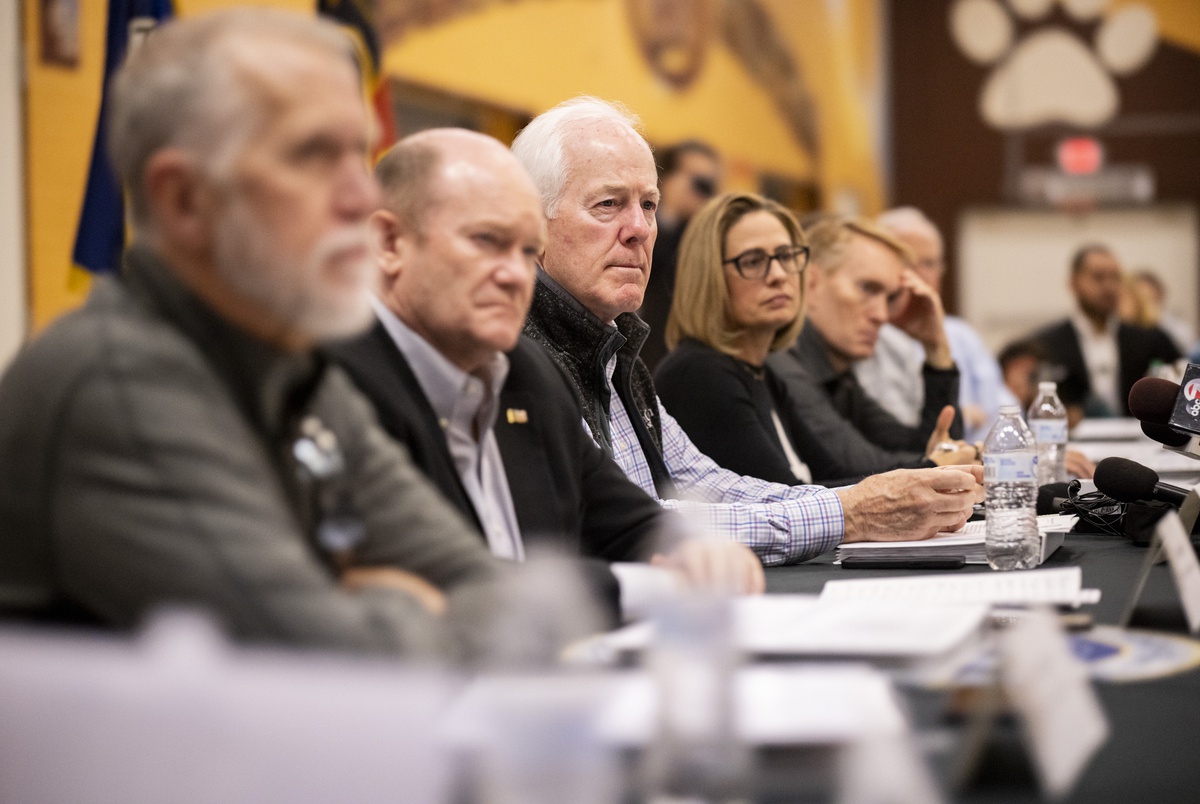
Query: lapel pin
(516,416)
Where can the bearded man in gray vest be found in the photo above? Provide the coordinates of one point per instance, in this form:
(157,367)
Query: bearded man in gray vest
(178,440)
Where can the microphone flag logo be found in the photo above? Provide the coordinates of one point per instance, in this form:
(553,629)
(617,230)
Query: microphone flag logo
(1186,416)
(1191,392)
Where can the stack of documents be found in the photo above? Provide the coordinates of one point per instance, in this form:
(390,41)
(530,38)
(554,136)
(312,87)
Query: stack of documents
(967,543)
(804,625)
(1043,587)
(775,704)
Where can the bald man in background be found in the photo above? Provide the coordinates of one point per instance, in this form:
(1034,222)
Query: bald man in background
(892,376)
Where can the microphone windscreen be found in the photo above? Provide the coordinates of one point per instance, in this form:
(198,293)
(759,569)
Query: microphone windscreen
(1165,435)
(1047,495)
(1125,480)
(1152,399)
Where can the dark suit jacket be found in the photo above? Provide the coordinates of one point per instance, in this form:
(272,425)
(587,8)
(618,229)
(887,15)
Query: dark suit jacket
(1137,348)
(565,490)
(725,406)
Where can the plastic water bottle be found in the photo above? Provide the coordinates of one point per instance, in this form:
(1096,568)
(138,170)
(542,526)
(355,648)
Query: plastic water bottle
(696,753)
(1048,419)
(1010,479)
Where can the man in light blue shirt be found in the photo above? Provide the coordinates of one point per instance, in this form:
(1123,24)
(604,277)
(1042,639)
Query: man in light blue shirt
(598,185)
(893,374)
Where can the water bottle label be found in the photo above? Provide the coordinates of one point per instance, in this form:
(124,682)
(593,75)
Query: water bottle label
(1050,431)
(1009,468)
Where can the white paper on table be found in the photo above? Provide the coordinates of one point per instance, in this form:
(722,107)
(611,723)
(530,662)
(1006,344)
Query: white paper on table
(972,534)
(1114,429)
(1050,690)
(775,704)
(805,625)
(490,700)
(1051,587)
(889,769)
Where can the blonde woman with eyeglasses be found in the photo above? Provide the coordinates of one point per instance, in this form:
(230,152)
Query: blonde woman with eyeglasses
(739,295)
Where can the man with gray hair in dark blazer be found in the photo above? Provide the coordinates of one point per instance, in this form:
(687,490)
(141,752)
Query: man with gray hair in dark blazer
(483,410)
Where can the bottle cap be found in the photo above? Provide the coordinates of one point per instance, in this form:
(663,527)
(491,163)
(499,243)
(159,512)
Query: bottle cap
(1010,410)
(1047,387)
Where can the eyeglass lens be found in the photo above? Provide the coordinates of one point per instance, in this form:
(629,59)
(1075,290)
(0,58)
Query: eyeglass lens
(756,264)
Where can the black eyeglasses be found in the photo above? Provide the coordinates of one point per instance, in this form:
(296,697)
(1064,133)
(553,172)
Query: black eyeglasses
(755,264)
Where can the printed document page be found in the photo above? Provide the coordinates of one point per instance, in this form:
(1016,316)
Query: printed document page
(1055,587)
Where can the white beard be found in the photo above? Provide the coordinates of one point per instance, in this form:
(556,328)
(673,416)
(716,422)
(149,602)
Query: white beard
(296,292)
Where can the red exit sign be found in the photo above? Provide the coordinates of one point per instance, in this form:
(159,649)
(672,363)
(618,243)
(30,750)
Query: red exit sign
(1080,156)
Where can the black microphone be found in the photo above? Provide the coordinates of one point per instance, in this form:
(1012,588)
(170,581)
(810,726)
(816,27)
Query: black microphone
(1164,435)
(1165,410)
(1050,498)
(1152,400)
(1129,481)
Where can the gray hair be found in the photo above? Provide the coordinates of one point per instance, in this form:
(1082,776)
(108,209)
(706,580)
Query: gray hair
(181,88)
(540,145)
(901,220)
(405,175)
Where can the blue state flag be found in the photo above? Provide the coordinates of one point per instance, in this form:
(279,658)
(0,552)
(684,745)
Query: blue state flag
(101,233)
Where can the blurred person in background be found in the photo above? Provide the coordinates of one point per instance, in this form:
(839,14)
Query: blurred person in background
(893,375)
(1133,305)
(739,297)
(1023,365)
(857,274)
(481,408)
(689,174)
(177,440)
(1092,355)
(1147,298)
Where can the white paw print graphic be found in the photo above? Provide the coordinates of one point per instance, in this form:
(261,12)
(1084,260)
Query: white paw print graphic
(1051,75)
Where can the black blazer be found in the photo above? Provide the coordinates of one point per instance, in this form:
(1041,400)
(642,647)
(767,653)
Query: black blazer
(565,491)
(725,407)
(1137,348)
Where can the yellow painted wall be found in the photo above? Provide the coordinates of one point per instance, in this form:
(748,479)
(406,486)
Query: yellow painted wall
(61,106)
(61,109)
(837,46)
(1178,20)
(530,55)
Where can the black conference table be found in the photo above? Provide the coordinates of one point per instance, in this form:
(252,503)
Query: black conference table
(1153,751)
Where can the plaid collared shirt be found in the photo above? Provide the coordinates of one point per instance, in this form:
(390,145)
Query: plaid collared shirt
(781,524)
